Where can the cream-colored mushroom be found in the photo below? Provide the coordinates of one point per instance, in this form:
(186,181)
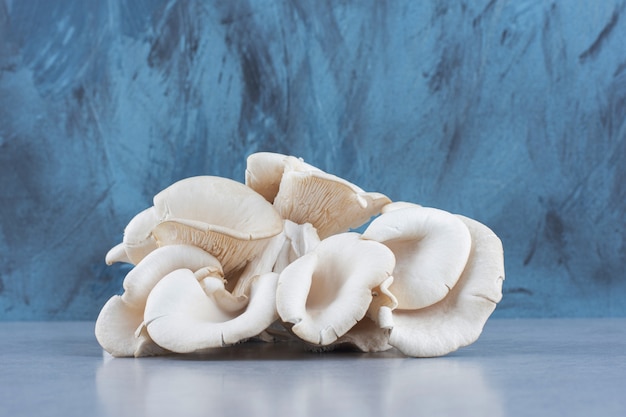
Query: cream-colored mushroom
(459,318)
(138,240)
(305,194)
(120,331)
(328,290)
(119,328)
(368,335)
(264,171)
(431,247)
(225,218)
(186,315)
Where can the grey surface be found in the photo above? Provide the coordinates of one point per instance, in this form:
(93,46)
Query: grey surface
(511,112)
(544,367)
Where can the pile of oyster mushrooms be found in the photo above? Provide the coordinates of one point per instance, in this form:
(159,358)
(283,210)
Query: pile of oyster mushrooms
(217,262)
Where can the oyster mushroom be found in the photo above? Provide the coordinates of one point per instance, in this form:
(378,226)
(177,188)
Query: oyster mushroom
(305,194)
(225,218)
(328,290)
(186,315)
(431,247)
(264,171)
(137,241)
(119,327)
(459,318)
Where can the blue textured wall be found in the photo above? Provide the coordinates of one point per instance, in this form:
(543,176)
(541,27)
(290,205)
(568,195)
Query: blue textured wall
(510,112)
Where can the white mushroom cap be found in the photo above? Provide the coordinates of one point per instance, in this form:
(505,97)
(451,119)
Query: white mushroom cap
(331,204)
(431,247)
(119,325)
(184,315)
(305,194)
(327,291)
(137,241)
(458,319)
(120,331)
(221,216)
(264,171)
(225,205)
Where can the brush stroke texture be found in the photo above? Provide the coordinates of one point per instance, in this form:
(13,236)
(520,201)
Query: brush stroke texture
(510,112)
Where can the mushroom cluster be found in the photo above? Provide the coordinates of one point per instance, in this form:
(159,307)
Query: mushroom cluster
(218,262)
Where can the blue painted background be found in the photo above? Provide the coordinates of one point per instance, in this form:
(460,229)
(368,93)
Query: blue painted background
(510,112)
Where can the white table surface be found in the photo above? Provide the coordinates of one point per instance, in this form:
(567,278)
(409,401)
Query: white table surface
(542,367)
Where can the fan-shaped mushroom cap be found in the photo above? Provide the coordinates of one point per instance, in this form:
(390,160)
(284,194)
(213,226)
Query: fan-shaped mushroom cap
(264,171)
(221,216)
(331,204)
(120,331)
(184,315)
(458,319)
(138,240)
(305,194)
(120,322)
(431,247)
(327,291)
